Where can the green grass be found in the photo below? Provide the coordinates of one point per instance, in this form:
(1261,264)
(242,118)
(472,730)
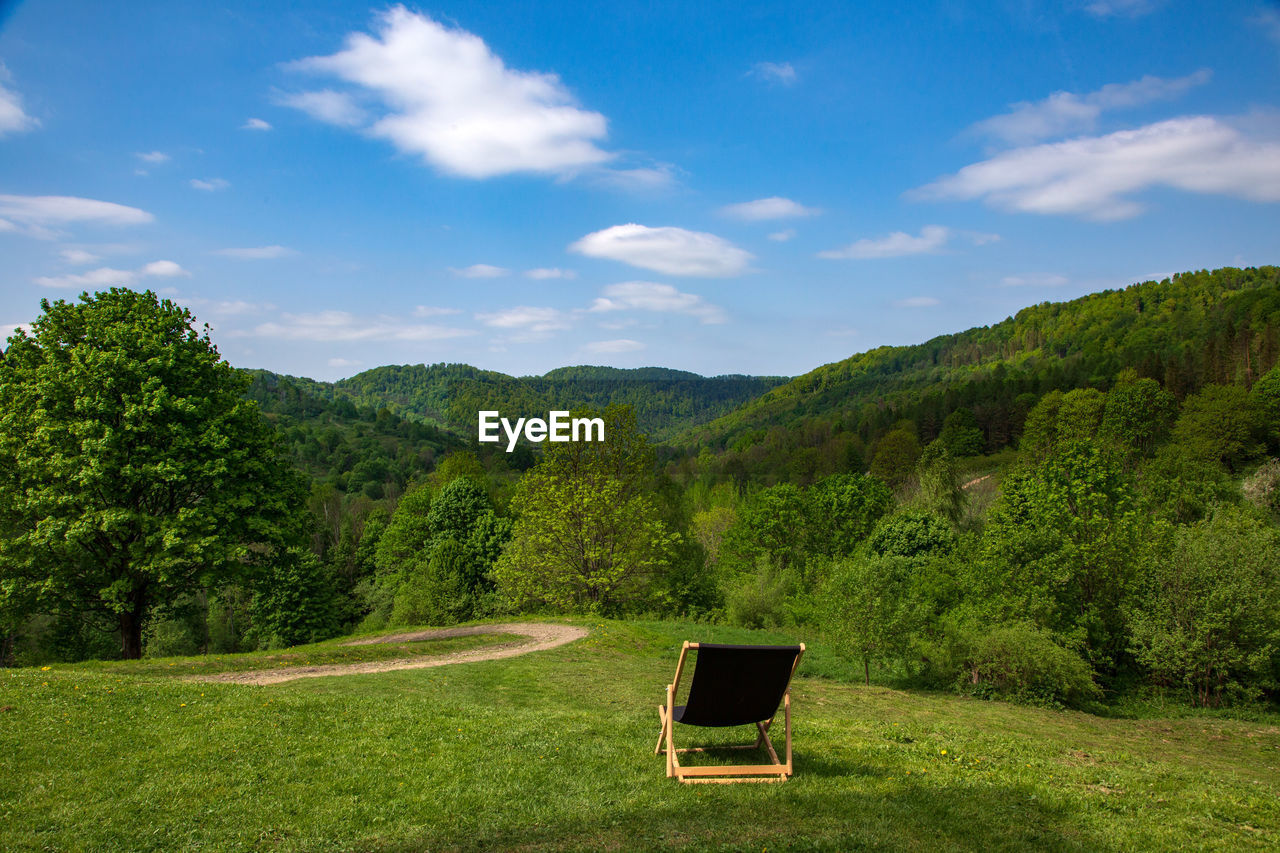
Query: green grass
(554,751)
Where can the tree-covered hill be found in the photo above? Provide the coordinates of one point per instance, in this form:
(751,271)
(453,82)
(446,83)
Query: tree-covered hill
(1186,332)
(357,449)
(449,395)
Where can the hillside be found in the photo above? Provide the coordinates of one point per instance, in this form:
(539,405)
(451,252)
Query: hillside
(355,448)
(449,395)
(1194,329)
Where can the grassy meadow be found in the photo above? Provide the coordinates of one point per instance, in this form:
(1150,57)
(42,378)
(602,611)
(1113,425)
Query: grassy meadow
(554,751)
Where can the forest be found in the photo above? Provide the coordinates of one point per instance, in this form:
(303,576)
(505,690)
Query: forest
(1073,506)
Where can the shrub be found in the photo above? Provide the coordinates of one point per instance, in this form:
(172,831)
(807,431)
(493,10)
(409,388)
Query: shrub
(1022,662)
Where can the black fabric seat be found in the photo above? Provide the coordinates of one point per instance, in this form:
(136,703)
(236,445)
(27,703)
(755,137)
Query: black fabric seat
(737,685)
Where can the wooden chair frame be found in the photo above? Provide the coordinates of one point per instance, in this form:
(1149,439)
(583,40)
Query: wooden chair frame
(778,771)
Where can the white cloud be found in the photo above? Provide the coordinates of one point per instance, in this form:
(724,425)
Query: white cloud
(109,277)
(210,185)
(256,124)
(163,269)
(343,326)
(1121,8)
(895,245)
(101,277)
(782,236)
(432,311)
(1034,280)
(1092,177)
(327,106)
(256,253)
(79,257)
(775,72)
(526,317)
(543,273)
(13,118)
(344,362)
(669,250)
(916,302)
(651,296)
(526,324)
(1064,113)
(153,157)
(614,346)
(480,271)
(446,96)
(36,215)
(762,209)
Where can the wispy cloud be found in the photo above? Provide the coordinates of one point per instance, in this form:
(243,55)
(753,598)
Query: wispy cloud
(13,118)
(775,72)
(1121,8)
(525,323)
(640,179)
(1034,280)
(344,362)
(1064,113)
(432,311)
(1094,177)
(543,273)
(210,185)
(256,124)
(109,277)
(326,105)
(328,326)
(441,93)
(668,250)
(916,302)
(481,271)
(163,269)
(782,236)
(613,347)
(256,253)
(763,209)
(1268,20)
(39,215)
(652,296)
(155,158)
(79,257)
(932,238)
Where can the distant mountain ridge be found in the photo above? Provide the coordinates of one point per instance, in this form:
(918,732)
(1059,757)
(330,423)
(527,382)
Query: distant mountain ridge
(449,395)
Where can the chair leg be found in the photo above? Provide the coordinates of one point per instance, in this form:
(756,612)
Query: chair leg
(671,749)
(662,731)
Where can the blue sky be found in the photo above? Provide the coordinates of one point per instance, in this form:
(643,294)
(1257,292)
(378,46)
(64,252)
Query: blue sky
(717,187)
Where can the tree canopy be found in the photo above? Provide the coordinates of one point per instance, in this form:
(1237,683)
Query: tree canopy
(132,469)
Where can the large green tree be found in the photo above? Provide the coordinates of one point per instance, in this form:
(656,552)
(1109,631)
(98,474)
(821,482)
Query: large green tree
(132,469)
(588,533)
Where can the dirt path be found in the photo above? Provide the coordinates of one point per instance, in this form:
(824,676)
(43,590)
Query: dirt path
(975,482)
(542,635)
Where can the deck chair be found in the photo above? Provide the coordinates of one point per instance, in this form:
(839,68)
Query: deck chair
(732,686)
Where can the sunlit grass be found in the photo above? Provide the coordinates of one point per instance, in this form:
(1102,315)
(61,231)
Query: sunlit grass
(554,750)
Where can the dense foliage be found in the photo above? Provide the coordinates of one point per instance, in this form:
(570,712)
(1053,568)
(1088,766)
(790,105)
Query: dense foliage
(1070,506)
(1186,332)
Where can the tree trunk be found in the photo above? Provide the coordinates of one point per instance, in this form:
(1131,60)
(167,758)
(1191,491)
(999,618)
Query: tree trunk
(130,636)
(131,625)
(866,670)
